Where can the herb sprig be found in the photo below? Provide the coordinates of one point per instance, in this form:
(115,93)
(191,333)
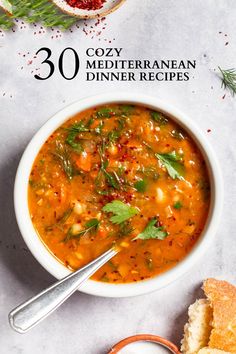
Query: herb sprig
(228,78)
(61,221)
(43,11)
(62,154)
(90,226)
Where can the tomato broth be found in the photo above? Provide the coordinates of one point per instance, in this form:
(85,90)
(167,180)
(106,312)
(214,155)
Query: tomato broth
(119,175)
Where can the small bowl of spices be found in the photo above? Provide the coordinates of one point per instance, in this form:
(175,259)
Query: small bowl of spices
(88,8)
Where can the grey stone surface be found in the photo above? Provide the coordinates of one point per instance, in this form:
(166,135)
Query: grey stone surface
(187,29)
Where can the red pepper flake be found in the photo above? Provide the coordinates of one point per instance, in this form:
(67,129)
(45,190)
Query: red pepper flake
(226,43)
(86,4)
(208,130)
(223,97)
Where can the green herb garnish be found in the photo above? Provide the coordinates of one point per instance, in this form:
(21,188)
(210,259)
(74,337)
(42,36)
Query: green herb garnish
(141,186)
(159,118)
(73,131)
(62,154)
(125,229)
(90,226)
(105,112)
(173,164)
(178,205)
(152,232)
(149,171)
(41,11)
(61,221)
(121,211)
(228,78)
(6,22)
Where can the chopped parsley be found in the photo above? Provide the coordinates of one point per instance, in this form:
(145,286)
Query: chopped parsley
(141,186)
(178,205)
(121,211)
(173,164)
(152,232)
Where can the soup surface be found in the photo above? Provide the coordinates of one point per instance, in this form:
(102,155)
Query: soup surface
(119,175)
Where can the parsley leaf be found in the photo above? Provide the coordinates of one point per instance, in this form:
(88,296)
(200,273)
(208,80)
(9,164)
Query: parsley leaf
(141,185)
(121,211)
(172,162)
(152,232)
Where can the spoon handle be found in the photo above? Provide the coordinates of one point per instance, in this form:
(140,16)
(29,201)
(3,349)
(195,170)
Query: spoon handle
(34,310)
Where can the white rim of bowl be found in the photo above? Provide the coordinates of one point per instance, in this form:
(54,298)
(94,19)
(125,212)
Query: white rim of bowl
(40,251)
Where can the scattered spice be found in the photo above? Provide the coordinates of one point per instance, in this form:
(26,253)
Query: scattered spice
(86,4)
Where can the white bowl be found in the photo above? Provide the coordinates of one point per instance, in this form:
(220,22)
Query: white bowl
(50,263)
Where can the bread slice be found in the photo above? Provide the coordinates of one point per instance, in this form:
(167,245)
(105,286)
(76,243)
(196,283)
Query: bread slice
(211,351)
(222,297)
(211,328)
(197,330)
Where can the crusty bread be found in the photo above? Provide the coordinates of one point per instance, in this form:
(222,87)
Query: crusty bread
(197,330)
(222,297)
(211,328)
(211,351)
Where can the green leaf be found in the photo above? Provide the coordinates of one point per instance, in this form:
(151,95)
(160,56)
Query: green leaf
(159,118)
(73,131)
(172,163)
(91,225)
(152,232)
(105,112)
(121,211)
(63,156)
(178,205)
(141,185)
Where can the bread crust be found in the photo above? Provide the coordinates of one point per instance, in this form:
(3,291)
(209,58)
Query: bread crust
(222,297)
(211,351)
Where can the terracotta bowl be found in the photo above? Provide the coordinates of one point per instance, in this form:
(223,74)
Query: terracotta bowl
(144,337)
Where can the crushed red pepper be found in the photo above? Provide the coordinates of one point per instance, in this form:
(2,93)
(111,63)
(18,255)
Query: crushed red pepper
(86,4)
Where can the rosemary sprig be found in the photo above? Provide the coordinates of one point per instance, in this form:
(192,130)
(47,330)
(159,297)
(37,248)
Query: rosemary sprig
(43,11)
(228,78)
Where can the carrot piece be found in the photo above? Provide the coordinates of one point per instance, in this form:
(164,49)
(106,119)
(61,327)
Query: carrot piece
(134,143)
(84,161)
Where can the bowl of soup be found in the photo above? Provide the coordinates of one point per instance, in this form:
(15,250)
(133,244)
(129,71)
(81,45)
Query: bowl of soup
(119,169)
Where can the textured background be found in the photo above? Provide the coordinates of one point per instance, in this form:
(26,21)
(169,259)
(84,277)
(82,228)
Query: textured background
(184,29)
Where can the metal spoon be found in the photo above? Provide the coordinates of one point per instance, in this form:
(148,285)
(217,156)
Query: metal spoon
(34,310)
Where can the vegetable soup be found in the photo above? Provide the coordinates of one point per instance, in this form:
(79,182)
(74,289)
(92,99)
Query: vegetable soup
(120,175)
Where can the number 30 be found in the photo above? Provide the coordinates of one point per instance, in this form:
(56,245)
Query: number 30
(60,63)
